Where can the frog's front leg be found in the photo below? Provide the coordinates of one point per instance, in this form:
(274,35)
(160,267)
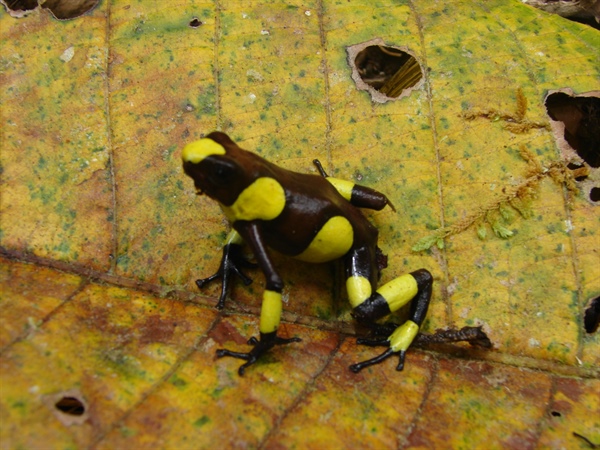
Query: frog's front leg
(270,314)
(232,262)
(369,306)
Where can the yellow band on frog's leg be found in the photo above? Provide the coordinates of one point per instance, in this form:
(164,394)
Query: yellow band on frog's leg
(270,313)
(234,238)
(399,291)
(344,187)
(403,336)
(359,289)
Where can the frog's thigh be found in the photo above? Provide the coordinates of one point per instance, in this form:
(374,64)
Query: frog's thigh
(388,298)
(399,291)
(370,304)
(361,196)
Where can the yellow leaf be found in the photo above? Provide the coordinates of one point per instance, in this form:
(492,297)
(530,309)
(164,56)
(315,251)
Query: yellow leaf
(105,340)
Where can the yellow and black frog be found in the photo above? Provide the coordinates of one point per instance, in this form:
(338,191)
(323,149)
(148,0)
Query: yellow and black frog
(312,218)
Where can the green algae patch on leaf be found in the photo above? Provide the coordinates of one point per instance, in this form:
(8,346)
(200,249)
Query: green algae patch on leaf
(526,279)
(56,187)
(369,414)
(389,147)
(218,403)
(477,405)
(511,286)
(142,369)
(272,84)
(162,95)
(111,344)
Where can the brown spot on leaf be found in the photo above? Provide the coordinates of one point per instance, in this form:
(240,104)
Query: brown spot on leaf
(478,373)
(520,440)
(570,388)
(560,408)
(156,329)
(225,332)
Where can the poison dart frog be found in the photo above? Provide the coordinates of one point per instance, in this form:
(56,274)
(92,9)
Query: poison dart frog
(313,218)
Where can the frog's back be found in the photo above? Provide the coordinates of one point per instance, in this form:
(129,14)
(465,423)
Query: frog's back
(317,224)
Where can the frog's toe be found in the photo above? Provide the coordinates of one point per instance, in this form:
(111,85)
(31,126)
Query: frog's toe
(369,362)
(402,357)
(385,355)
(260,346)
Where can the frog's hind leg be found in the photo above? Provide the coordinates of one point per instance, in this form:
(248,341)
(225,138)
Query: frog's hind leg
(369,306)
(359,196)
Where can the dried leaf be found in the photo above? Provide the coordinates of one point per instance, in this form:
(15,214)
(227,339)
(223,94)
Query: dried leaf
(103,236)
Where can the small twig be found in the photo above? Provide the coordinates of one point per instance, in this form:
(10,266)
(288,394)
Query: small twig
(473,335)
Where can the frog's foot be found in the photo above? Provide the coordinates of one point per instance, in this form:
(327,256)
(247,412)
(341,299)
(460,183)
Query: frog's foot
(232,263)
(385,355)
(262,345)
(398,342)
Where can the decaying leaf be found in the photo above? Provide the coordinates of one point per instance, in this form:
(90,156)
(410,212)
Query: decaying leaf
(102,236)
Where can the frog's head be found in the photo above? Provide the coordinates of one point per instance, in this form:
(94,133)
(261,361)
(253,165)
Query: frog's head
(216,164)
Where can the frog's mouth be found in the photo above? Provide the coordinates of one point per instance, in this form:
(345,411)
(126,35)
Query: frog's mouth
(203,186)
(193,171)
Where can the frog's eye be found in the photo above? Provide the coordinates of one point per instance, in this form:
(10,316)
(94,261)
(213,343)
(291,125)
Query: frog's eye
(222,173)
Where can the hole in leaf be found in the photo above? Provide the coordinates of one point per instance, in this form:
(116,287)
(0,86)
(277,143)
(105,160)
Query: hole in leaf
(556,414)
(386,72)
(22,5)
(71,406)
(581,118)
(61,9)
(595,194)
(195,22)
(591,319)
(585,12)
(68,407)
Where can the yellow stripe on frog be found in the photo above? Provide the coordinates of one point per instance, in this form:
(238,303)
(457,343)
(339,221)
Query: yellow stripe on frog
(332,241)
(196,151)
